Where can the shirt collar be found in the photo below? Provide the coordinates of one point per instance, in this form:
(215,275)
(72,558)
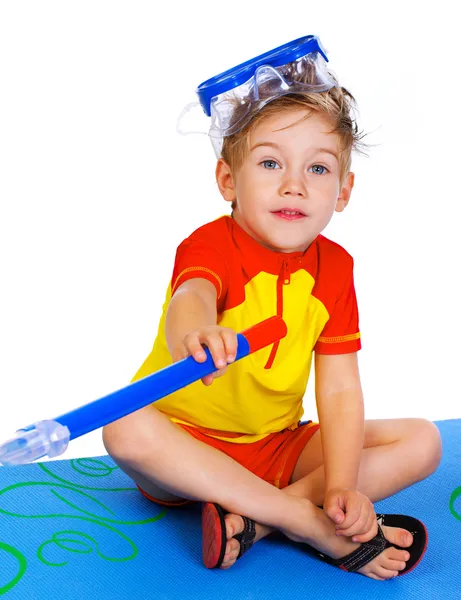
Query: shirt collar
(271,260)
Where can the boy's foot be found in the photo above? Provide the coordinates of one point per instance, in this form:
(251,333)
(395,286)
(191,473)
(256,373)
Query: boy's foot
(385,566)
(234,526)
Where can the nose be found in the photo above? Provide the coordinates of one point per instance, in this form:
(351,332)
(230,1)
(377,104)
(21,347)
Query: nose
(293,185)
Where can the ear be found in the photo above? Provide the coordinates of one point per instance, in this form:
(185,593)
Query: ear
(225,180)
(345,194)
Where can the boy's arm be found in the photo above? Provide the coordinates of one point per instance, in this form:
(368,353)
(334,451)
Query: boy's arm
(192,307)
(341,415)
(191,322)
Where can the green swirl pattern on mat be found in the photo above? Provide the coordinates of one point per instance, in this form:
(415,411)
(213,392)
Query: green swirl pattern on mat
(454,496)
(71,540)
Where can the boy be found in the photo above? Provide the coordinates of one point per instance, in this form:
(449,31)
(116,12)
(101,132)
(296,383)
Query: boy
(237,444)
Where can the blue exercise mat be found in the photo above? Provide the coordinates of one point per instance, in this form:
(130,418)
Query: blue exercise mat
(78,529)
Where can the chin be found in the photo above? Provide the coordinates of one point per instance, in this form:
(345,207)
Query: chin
(287,248)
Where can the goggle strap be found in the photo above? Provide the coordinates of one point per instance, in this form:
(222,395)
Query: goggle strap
(186,110)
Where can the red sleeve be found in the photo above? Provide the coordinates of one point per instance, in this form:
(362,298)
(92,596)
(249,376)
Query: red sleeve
(341,334)
(195,258)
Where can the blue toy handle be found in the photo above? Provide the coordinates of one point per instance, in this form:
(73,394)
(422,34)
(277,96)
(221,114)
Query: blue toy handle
(51,437)
(140,393)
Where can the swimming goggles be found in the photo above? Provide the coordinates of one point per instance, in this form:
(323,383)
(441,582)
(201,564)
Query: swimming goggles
(233,97)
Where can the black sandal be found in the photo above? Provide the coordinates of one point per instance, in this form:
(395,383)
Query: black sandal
(214,535)
(370,550)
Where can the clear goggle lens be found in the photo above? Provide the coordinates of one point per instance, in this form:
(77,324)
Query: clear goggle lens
(231,110)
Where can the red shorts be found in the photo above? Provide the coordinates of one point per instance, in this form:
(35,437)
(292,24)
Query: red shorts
(273,458)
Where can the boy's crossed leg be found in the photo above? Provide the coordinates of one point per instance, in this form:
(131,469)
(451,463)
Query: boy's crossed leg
(159,455)
(397,453)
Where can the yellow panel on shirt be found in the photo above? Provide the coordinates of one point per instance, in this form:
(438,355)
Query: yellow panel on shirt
(313,292)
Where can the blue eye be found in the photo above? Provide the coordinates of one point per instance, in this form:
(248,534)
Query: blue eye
(321,167)
(269,164)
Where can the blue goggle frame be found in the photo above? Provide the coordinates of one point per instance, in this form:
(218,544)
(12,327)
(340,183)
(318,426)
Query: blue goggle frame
(238,75)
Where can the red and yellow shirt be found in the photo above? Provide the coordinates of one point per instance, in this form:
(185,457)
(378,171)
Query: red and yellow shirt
(314,293)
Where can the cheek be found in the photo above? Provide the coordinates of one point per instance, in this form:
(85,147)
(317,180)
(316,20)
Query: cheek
(251,191)
(328,191)
(324,208)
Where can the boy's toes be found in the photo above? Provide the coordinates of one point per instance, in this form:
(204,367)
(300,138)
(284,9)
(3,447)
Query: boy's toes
(394,565)
(234,525)
(232,551)
(377,570)
(384,573)
(389,563)
(398,536)
(398,555)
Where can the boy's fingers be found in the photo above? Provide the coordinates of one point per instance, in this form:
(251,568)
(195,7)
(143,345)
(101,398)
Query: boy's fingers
(356,529)
(207,380)
(363,525)
(373,523)
(216,347)
(353,514)
(230,344)
(194,347)
(221,344)
(194,343)
(370,530)
(364,537)
(335,513)
(219,373)
(357,526)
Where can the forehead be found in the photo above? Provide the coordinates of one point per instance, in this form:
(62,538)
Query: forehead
(293,127)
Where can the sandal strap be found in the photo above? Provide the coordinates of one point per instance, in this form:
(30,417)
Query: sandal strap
(364,554)
(247,536)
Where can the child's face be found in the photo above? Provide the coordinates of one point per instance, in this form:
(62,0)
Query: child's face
(290,167)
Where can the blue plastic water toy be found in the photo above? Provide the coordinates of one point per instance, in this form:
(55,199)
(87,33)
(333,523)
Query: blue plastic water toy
(51,437)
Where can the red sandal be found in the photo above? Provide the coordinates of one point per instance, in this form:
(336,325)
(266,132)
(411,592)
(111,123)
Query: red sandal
(214,535)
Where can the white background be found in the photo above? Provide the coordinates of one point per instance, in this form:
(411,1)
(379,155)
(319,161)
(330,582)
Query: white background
(97,189)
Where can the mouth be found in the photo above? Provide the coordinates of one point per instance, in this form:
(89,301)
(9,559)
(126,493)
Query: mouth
(289,214)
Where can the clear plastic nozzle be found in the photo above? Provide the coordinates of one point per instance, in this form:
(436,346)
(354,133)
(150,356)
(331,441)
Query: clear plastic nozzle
(44,438)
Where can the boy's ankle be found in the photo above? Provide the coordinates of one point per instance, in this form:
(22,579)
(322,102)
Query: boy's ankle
(301,511)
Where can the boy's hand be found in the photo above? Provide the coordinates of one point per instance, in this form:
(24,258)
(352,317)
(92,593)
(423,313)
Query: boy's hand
(221,342)
(353,513)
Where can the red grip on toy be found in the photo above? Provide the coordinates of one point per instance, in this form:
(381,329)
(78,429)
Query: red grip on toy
(267,332)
